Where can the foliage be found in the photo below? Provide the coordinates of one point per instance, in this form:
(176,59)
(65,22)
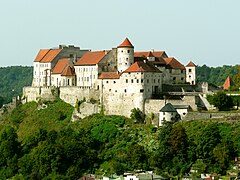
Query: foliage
(137,115)
(45,144)
(215,75)
(222,101)
(12,81)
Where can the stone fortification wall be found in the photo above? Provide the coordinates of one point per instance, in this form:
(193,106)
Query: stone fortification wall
(154,105)
(72,94)
(122,103)
(36,93)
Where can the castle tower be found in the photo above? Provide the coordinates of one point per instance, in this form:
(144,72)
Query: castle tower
(191,73)
(125,55)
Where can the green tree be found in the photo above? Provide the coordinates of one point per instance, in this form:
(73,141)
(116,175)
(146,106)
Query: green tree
(222,101)
(137,115)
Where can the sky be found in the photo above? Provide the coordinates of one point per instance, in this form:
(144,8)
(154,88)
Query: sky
(203,31)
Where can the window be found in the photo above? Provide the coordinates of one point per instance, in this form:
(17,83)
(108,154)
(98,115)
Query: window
(109,90)
(114,82)
(181,71)
(170,71)
(141,90)
(122,51)
(126,80)
(141,80)
(147,80)
(189,76)
(106,81)
(128,51)
(174,78)
(154,81)
(125,90)
(190,70)
(137,81)
(131,80)
(163,113)
(182,78)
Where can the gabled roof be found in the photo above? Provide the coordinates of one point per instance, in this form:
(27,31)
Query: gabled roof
(91,58)
(142,66)
(109,75)
(168,108)
(190,64)
(51,54)
(69,71)
(143,54)
(172,63)
(159,53)
(126,43)
(41,54)
(227,83)
(60,66)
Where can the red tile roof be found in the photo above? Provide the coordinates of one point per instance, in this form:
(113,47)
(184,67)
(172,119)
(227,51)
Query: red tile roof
(172,63)
(142,66)
(69,71)
(143,54)
(190,64)
(126,43)
(91,58)
(41,54)
(159,53)
(50,55)
(227,83)
(60,66)
(109,75)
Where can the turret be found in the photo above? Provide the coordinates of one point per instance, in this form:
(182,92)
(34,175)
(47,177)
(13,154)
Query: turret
(125,55)
(191,73)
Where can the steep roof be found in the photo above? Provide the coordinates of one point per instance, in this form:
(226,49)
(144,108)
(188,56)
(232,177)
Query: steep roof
(126,43)
(227,83)
(142,66)
(168,108)
(159,53)
(190,64)
(143,54)
(41,54)
(172,63)
(109,75)
(60,66)
(69,71)
(91,58)
(51,54)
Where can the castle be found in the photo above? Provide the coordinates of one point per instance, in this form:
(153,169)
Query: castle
(119,79)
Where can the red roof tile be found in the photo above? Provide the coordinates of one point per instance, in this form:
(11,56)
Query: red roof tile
(109,75)
(69,71)
(227,83)
(60,66)
(143,54)
(50,55)
(41,54)
(126,43)
(159,53)
(91,58)
(172,63)
(142,66)
(190,64)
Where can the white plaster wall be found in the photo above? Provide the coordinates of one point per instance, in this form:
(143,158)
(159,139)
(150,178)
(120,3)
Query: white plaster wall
(191,76)
(86,76)
(125,58)
(166,116)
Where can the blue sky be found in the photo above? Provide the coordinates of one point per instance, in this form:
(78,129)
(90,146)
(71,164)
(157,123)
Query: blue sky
(206,31)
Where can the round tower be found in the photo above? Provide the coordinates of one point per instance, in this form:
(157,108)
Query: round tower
(125,55)
(191,73)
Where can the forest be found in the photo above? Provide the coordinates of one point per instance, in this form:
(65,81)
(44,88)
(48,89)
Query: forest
(39,142)
(12,80)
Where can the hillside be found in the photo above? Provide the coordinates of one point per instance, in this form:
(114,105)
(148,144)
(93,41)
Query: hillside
(216,75)
(12,80)
(40,142)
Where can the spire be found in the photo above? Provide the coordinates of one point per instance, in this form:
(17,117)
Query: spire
(126,43)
